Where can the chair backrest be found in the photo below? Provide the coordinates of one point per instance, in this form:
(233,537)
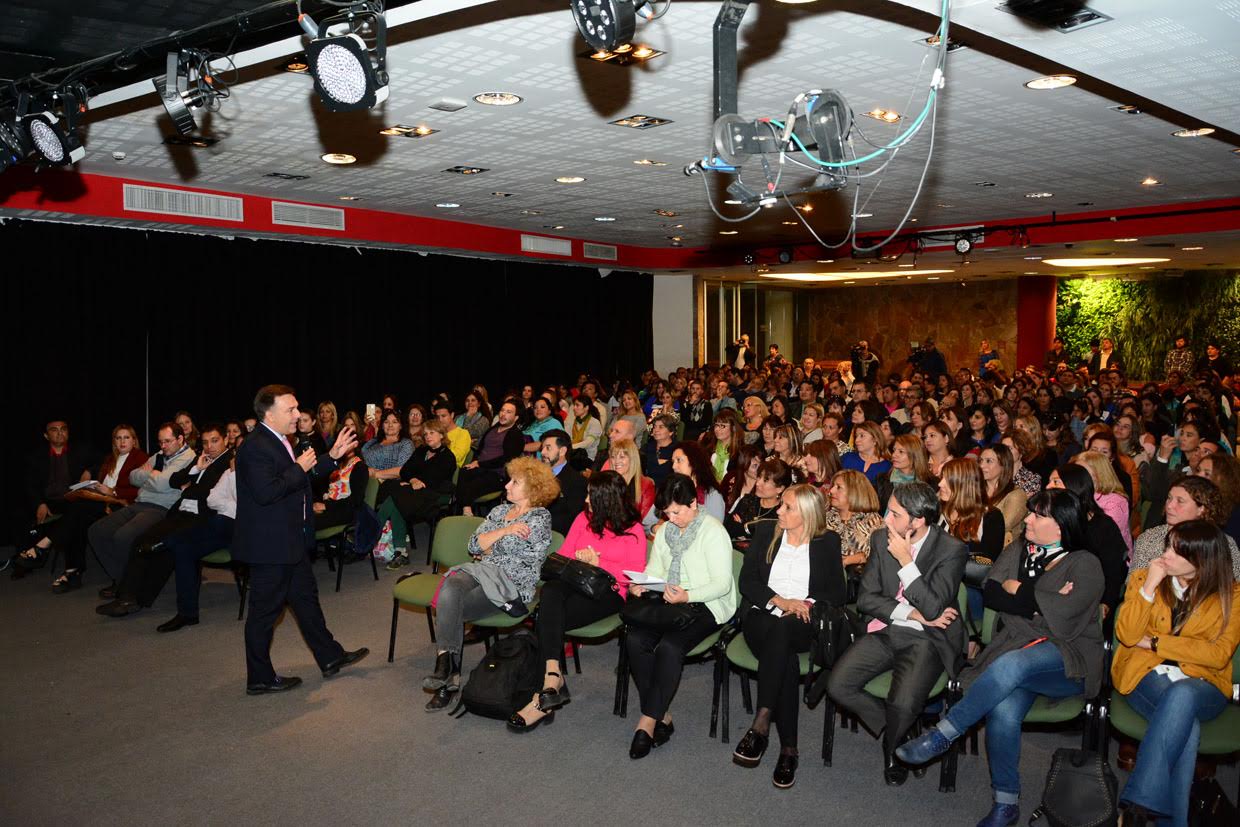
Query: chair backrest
(557,540)
(372,492)
(738,560)
(680,431)
(451,547)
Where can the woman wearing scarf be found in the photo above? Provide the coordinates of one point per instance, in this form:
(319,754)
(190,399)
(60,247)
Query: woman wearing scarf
(692,554)
(1046,590)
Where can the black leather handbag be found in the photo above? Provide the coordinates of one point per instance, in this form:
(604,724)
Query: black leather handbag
(651,611)
(591,581)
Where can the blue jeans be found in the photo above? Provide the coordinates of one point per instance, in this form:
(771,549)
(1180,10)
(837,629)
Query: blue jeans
(1003,695)
(1163,775)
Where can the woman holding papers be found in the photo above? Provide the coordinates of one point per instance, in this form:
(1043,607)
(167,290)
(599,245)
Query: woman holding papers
(608,534)
(693,592)
(788,568)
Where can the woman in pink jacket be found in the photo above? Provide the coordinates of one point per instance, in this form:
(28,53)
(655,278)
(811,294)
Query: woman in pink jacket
(608,534)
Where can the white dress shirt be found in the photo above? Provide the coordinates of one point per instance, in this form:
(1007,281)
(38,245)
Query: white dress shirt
(789,576)
(900,615)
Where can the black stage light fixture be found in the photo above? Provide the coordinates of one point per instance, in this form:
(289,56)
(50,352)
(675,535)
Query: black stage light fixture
(348,74)
(963,245)
(12,148)
(54,141)
(188,84)
(608,24)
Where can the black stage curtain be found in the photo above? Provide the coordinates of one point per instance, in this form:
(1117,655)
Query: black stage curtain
(90,308)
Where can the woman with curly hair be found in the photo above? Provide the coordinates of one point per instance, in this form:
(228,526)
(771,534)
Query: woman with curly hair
(1189,498)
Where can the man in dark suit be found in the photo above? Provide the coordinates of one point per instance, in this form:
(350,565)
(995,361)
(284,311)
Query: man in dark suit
(49,472)
(274,529)
(555,447)
(909,590)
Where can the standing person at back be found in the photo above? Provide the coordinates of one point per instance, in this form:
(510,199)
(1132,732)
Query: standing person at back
(273,531)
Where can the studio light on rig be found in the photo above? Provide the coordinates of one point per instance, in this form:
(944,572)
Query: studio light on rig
(189,83)
(348,56)
(54,139)
(12,149)
(609,24)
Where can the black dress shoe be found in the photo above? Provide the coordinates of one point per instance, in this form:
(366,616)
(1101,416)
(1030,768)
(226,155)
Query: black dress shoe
(894,773)
(439,675)
(118,608)
(785,774)
(108,592)
(443,695)
(344,660)
(549,700)
(180,621)
(279,684)
(663,732)
(750,749)
(641,745)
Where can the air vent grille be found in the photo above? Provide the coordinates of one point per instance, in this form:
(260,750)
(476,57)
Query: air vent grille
(603,251)
(302,215)
(181,202)
(546,246)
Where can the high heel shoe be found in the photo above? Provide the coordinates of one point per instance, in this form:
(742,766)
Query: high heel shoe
(518,724)
(549,700)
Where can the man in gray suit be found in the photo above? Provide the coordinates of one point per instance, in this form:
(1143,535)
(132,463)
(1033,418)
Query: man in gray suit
(909,593)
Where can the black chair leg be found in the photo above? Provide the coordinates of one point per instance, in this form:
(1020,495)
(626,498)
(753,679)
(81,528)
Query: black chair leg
(746,698)
(392,637)
(828,731)
(621,705)
(430,623)
(339,564)
(725,699)
(241,589)
(576,657)
(374,567)
(715,691)
(430,543)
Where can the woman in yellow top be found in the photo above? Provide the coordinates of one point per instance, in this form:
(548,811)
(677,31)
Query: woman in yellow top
(1178,631)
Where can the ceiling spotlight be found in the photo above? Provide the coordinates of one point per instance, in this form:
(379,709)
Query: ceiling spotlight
(498,98)
(350,198)
(666,213)
(1191,249)
(56,142)
(646,162)
(339,158)
(447,205)
(1124,240)
(728,232)
(348,74)
(1039,194)
(12,149)
(569,179)
(189,83)
(884,115)
(1051,82)
(1150,181)
(608,25)
(1200,132)
(603,218)
(963,245)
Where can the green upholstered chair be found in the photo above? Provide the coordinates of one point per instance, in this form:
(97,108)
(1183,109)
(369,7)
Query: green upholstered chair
(336,538)
(450,548)
(223,557)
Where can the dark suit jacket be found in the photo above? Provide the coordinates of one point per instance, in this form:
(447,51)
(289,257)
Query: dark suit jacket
(274,514)
(826,572)
(571,501)
(941,563)
(80,458)
(200,485)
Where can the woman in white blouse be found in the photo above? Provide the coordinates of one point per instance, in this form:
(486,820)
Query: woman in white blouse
(790,565)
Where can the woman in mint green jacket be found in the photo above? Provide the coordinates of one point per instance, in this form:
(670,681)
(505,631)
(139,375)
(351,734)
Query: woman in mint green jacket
(692,554)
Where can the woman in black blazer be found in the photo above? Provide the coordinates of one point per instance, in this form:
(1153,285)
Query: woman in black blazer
(791,564)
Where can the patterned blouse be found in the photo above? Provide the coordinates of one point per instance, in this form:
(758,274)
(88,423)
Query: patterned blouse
(855,532)
(381,457)
(519,558)
(1027,481)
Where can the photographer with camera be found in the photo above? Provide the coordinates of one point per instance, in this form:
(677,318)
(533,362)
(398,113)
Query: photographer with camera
(865,363)
(928,360)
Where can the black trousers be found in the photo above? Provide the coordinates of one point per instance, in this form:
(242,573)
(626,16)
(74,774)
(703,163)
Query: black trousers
(657,659)
(69,532)
(272,586)
(415,506)
(916,666)
(561,608)
(151,562)
(473,483)
(777,641)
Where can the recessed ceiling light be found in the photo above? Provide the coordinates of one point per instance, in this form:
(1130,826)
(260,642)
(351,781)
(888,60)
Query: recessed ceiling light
(448,205)
(603,218)
(1039,194)
(1051,82)
(732,201)
(554,226)
(790,223)
(1099,261)
(728,232)
(1191,249)
(1147,268)
(297,65)
(402,131)
(569,179)
(1032,273)
(1150,181)
(1033,258)
(643,52)
(463,170)
(678,226)
(350,198)
(675,238)
(498,98)
(339,158)
(851,281)
(1199,132)
(498,194)
(666,213)
(884,115)
(912,220)
(647,162)
(641,122)
(1127,109)
(945,206)
(908,265)
(531,212)
(825,261)
(932,278)
(864,215)
(1124,240)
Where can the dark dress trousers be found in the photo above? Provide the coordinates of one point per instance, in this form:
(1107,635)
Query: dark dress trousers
(917,657)
(273,530)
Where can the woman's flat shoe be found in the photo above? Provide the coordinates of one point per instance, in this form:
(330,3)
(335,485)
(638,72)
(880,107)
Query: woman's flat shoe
(750,749)
(641,745)
(67,582)
(517,724)
(663,732)
(785,774)
(38,561)
(549,700)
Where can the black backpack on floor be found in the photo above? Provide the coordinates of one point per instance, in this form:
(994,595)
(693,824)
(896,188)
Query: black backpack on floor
(508,676)
(1080,791)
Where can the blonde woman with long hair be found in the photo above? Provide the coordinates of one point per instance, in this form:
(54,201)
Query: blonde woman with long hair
(1108,491)
(626,461)
(791,564)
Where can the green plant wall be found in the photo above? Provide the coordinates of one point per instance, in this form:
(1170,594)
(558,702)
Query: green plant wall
(1143,317)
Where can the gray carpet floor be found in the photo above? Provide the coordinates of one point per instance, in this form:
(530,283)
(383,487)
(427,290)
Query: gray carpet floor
(106,721)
